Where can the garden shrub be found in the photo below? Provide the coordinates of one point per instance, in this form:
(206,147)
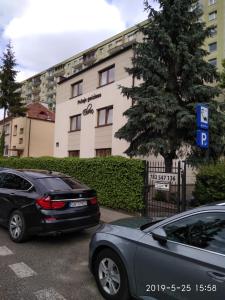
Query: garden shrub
(118,181)
(210,183)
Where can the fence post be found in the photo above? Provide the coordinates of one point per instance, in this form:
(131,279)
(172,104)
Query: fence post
(146,183)
(179,198)
(184,187)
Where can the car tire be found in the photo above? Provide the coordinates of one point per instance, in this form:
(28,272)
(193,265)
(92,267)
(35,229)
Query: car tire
(17,227)
(112,282)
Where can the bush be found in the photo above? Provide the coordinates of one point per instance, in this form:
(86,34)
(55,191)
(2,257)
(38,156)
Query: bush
(118,181)
(210,183)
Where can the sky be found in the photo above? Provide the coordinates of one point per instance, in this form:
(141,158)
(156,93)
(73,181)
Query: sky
(45,32)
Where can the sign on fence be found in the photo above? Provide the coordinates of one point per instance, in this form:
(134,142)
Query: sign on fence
(162,186)
(163,177)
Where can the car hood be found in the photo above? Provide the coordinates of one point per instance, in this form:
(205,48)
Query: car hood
(135,223)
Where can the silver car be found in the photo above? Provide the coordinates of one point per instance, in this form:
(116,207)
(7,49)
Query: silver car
(181,257)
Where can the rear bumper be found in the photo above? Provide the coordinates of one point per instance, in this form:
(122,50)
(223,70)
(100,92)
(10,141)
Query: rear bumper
(58,223)
(72,224)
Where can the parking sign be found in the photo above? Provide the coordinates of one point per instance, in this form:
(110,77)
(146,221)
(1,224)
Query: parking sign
(203,139)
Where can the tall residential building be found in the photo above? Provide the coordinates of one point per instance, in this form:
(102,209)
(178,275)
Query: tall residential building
(214,17)
(42,86)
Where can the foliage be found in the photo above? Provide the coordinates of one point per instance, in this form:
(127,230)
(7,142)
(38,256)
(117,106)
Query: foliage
(210,183)
(10,96)
(222,76)
(170,62)
(118,181)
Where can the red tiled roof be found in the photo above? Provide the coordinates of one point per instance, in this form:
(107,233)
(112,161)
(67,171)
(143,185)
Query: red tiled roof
(39,111)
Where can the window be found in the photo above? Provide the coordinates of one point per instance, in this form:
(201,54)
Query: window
(7,128)
(204,230)
(6,150)
(213,31)
(103,152)
(75,123)
(212,47)
(74,153)
(77,89)
(211,2)
(11,181)
(21,130)
(213,61)
(107,76)
(105,116)
(20,141)
(15,130)
(212,15)
(60,183)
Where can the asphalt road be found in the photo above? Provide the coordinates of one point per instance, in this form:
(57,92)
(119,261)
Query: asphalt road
(47,268)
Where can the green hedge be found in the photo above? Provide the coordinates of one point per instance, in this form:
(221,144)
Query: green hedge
(210,183)
(118,181)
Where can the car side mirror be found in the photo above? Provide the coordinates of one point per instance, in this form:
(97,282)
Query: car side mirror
(159,235)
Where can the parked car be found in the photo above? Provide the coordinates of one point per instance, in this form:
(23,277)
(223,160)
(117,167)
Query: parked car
(42,202)
(181,257)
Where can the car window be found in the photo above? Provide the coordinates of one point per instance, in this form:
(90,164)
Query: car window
(204,230)
(12,181)
(60,183)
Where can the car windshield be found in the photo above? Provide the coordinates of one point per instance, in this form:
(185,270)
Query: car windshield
(60,183)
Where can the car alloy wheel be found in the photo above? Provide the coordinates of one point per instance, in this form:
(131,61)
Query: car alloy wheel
(109,276)
(17,230)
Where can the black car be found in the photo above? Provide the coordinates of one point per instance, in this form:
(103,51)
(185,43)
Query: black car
(34,202)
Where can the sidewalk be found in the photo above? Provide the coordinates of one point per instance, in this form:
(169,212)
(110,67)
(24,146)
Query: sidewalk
(110,215)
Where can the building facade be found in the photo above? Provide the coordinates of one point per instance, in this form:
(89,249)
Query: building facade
(89,103)
(214,17)
(30,136)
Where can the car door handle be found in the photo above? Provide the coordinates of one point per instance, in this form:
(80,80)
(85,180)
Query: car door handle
(217,276)
(12,193)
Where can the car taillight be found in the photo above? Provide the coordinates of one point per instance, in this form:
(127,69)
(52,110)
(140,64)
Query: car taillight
(47,203)
(93,201)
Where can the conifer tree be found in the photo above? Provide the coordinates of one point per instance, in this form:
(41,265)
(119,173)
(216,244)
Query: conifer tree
(10,95)
(174,76)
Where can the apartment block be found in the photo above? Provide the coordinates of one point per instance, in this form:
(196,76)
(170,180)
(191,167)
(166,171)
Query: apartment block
(214,17)
(32,135)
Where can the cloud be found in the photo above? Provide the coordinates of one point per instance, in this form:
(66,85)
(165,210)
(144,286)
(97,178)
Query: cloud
(45,32)
(56,16)
(10,9)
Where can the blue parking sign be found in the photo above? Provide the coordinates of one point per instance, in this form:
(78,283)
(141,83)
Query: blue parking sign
(203,139)
(202,116)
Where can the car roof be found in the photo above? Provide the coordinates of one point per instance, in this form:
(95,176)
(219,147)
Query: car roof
(33,173)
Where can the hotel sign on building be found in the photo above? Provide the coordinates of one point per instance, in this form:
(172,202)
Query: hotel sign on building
(90,106)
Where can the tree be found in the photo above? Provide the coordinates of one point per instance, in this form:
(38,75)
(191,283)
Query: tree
(174,76)
(222,76)
(10,96)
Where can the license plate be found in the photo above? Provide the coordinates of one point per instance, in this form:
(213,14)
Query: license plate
(78,203)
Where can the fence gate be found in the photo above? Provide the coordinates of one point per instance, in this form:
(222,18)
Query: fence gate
(165,193)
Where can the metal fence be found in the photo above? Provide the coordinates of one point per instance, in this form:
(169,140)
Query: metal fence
(166,193)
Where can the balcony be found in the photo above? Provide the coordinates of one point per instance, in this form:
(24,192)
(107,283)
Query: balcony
(36,81)
(125,45)
(59,72)
(89,58)
(36,90)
